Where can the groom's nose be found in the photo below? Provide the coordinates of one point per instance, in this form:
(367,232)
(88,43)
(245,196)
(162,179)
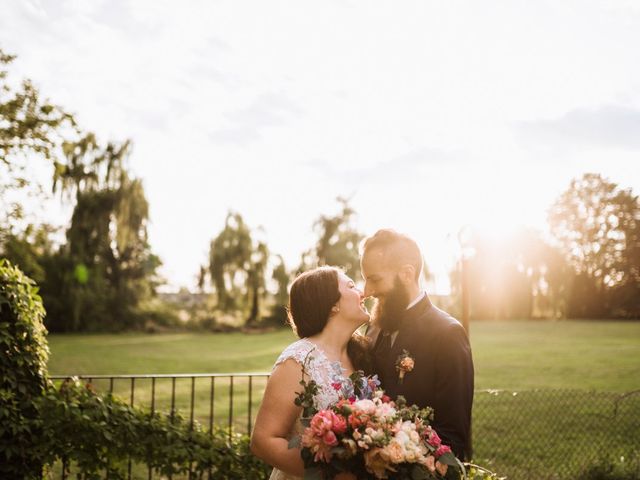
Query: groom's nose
(368,291)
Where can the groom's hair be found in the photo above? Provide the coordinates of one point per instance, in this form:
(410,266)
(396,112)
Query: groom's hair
(311,297)
(398,249)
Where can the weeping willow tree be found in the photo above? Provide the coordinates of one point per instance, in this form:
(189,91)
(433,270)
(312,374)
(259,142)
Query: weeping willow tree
(110,268)
(338,241)
(237,265)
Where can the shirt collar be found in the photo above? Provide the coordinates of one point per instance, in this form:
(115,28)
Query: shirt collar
(417,299)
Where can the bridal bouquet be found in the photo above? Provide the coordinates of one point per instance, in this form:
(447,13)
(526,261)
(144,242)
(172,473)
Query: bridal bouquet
(368,435)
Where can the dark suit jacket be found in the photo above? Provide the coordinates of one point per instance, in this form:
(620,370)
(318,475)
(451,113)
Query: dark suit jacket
(442,377)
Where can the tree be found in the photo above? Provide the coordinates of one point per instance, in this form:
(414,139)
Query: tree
(31,249)
(237,265)
(519,276)
(338,242)
(596,224)
(30,128)
(281,276)
(101,275)
(256,279)
(229,257)
(110,267)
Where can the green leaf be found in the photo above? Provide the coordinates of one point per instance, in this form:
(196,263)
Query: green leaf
(449,459)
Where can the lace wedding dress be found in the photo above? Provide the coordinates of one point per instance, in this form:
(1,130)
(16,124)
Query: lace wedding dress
(323,371)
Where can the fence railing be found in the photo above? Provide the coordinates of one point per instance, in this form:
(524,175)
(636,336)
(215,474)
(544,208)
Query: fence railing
(228,399)
(542,434)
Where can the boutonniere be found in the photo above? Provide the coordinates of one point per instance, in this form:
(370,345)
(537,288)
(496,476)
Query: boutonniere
(404,364)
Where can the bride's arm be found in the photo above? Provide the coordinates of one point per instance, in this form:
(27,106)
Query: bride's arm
(276,418)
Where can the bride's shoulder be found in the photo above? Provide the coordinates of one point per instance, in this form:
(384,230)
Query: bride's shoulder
(298,351)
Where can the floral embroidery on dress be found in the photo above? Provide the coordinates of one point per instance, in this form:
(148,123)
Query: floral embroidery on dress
(325,373)
(328,375)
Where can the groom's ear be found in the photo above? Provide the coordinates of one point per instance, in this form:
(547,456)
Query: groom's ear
(407,274)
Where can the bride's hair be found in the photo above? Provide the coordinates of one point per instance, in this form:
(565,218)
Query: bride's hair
(312,295)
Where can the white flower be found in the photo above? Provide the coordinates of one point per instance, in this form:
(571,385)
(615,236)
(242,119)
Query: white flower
(366,406)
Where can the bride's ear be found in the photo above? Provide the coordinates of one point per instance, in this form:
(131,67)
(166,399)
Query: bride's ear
(335,309)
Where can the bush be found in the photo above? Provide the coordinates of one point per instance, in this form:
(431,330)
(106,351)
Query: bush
(99,433)
(23,374)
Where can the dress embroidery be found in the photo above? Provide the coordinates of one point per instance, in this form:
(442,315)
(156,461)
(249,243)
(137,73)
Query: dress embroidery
(328,375)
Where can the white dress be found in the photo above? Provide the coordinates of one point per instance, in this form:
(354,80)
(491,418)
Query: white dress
(323,371)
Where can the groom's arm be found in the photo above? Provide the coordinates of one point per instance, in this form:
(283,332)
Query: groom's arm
(454,385)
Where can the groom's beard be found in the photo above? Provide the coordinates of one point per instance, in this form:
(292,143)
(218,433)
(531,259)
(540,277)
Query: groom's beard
(388,311)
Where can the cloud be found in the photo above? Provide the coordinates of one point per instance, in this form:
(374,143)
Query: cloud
(245,124)
(610,126)
(407,167)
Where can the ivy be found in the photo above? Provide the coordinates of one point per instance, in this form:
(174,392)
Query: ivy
(23,365)
(98,434)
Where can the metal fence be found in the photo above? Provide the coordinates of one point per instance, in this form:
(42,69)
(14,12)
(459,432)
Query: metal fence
(541,434)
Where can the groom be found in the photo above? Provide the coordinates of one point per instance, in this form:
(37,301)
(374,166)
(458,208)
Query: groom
(419,351)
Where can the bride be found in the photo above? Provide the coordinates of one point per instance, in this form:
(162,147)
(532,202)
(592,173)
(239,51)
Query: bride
(325,309)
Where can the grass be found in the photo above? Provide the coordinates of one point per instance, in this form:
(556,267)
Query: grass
(507,355)
(587,364)
(165,353)
(570,355)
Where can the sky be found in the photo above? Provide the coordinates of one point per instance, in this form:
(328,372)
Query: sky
(429,116)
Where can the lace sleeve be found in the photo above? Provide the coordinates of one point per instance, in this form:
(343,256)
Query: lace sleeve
(298,351)
(326,374)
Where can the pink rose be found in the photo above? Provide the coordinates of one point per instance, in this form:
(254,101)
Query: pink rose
(434,439)
(321,422)
(330,439)
(442,449)
(339,424)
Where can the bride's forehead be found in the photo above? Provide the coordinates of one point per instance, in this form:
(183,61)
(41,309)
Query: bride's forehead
(343,278)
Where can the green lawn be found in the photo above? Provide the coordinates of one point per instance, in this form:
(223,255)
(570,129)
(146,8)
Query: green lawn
(560,383)
(507,355)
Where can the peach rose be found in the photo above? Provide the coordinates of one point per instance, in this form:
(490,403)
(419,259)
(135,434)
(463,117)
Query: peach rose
(375,463)
(442,468)
(407,364)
